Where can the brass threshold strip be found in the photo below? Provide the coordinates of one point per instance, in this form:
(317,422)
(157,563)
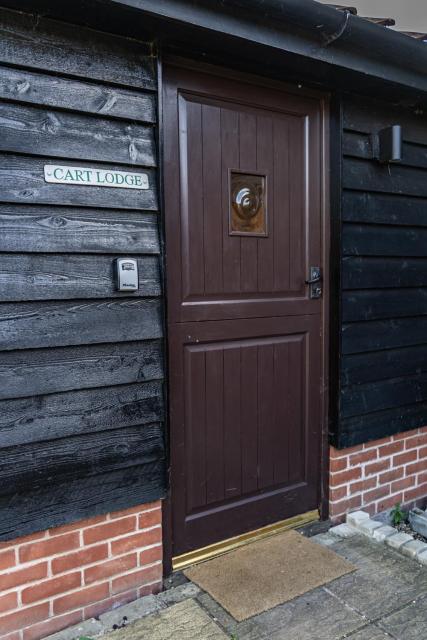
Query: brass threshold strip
(218,548)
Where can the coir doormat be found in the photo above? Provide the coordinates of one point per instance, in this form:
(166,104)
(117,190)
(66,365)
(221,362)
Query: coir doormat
(264,574)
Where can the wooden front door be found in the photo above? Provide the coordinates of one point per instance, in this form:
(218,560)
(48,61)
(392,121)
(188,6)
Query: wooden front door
(243,206)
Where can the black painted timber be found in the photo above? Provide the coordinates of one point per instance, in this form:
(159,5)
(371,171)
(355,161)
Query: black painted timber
(81,365)
(383,345)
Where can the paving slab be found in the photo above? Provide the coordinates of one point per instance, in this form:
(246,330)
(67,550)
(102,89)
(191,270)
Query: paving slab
(217,613)
(89,628)
(325,539)
(384,599)
(178,594)
(316,615)
(185,620)
(149,604)
(409,623)
(383,582)
(372,632)
(130,612)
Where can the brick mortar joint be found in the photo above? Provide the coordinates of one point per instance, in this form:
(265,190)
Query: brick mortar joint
(82,546)
(18,589)
(81,608)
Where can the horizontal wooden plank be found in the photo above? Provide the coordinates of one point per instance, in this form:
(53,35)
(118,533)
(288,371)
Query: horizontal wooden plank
(370,116)
(28,228)
(361,429)
(357,145)
(61,415)
(56,504)
(386,394)
(390,363)
(43,132)
(358,337)
(29,325)
(54,277)
(41,43)
(23,85)
(373,273)
(378,208)
(66,459)
(372,176)
(383,303)
(360,145)
(40,371)
(378,240)
(22,181)
(384,272)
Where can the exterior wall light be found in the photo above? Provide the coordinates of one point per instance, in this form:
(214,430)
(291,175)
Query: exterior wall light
(390,144)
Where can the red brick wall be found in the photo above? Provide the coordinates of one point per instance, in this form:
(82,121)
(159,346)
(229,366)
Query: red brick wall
(376,475)
(57,578)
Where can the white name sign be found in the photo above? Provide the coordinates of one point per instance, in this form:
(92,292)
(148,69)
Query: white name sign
(85,176)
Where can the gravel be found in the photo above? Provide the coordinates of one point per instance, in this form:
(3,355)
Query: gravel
(405,527)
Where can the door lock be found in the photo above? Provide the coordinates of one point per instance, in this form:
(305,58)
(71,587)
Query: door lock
(314,282)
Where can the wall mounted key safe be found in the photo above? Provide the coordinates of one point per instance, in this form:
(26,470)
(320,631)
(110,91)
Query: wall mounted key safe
(126,274)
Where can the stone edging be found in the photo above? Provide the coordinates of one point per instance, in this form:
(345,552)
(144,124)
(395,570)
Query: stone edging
(360,522)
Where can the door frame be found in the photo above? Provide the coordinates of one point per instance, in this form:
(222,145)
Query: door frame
(324,98)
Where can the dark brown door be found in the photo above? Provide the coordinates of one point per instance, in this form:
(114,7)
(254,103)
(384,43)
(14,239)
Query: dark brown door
(243,202)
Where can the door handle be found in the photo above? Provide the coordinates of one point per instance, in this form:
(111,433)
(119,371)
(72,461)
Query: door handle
(313,282)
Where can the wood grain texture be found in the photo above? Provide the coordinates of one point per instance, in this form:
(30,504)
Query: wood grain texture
(381,365)
(30,228)
(395,179)
(25,86)
(385,394)
(359,145)
(52,276)
(39,43)
(378,240)
(375,208)
(81,366)
(65,415)
(44,132)
(392,421)
(29,325)
(64,459)
(384,276)
(383,303)
(383,273)
(359,337)
(40,371)
(22,181)
(370,116)
(57,504)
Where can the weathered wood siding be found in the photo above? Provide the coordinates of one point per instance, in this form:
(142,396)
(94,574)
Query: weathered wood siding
(81,366)
(383,277)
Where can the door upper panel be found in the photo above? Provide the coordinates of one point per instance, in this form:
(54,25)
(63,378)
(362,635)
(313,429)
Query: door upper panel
(247,201)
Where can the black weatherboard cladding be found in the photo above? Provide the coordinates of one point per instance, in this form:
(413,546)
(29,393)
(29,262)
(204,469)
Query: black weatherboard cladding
(383,364)
(81,366)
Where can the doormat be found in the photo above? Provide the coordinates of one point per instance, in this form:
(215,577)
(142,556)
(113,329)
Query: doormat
(264,574)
